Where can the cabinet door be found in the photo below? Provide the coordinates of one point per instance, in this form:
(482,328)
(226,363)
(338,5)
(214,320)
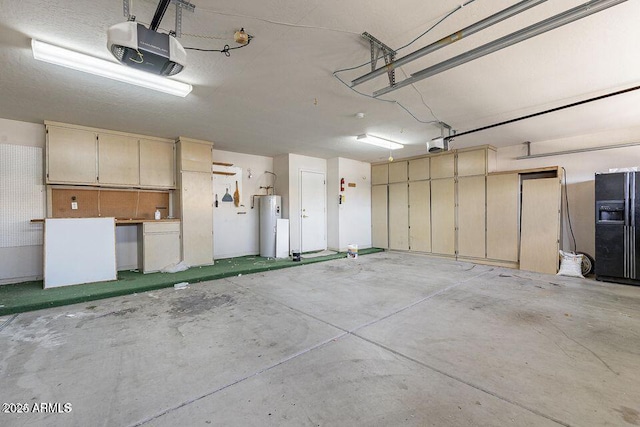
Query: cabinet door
(503,220)
(197,218)
(379,230)
(540,225)
(398,172)
(399,216)
(157,164)
(379,174)
(160,250)
(71,156)
(443,166)
(443,232)
(419,169)
(420,216)
(196,157)
(118,160)
(472,162)
(471,217)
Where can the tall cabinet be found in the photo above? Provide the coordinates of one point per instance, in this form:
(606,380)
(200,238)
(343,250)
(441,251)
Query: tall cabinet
(453,204)
(194,200)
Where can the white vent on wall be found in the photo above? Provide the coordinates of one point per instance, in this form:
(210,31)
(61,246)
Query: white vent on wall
(22,195)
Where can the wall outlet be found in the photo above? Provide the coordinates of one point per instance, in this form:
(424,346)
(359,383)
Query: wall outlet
(74,205)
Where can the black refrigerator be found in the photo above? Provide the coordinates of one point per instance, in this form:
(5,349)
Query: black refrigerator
(618,227)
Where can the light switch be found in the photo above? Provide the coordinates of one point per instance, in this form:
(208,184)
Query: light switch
(74,205)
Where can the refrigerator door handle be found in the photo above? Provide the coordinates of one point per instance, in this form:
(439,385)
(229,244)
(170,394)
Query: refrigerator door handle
(632,200)
(626,199)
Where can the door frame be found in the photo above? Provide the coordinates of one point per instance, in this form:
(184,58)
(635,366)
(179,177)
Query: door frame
(299,207)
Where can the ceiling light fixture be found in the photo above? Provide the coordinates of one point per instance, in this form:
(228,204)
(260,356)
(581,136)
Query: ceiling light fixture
(379,142)
(77,61)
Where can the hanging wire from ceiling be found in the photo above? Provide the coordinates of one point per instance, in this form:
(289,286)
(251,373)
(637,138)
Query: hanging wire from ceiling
(226,49)
(424,33)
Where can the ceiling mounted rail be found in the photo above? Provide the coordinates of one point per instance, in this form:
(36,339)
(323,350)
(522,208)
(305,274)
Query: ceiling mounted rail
(450,39)
(541,27)
(389,55)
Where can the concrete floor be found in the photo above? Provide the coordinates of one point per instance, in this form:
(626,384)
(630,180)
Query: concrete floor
(387,339)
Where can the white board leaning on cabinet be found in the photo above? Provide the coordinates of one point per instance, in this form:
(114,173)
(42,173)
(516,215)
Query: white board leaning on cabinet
(79,250)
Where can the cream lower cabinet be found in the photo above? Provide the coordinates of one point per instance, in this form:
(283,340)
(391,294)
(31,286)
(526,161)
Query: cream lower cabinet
(196,197)
(471,216)
(443,215)
(160,245)
(540,236)
(379,218)
(420,216)
(399,216)
(503,217)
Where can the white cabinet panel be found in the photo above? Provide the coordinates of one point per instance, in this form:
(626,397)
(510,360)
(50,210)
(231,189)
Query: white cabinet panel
(472,162)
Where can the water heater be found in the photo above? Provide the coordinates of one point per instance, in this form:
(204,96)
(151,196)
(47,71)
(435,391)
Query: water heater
(270,212)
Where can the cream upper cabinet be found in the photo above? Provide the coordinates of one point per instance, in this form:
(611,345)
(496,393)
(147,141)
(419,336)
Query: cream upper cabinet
(379,174)
(398,172)
(195,156)
(472,162)
(71,156)
(118,160)
(419,169)
(471,216)
(157,164)
(88,156)
(443,166)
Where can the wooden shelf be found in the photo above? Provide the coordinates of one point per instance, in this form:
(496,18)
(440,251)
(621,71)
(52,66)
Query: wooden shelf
(222,164)
(223,173)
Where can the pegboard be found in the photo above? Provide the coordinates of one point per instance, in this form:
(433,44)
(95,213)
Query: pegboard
(22,195)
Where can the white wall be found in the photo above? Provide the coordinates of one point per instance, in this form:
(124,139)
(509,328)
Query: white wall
(237,234)
(19,264)
(355,210)
(349,222)
(333,209)
(580,168)
(281,169)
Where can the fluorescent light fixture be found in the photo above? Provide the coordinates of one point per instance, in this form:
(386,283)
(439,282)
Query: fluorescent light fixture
(67,58)
(380,142)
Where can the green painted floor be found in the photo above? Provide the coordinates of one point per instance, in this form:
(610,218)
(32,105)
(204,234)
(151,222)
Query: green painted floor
(29,296)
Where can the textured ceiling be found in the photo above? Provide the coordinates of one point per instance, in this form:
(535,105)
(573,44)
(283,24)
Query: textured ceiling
(279,95)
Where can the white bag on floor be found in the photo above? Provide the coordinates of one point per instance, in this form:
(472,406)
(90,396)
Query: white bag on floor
(570,265)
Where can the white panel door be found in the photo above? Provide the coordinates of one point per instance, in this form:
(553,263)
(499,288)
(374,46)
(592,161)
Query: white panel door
(312,211)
